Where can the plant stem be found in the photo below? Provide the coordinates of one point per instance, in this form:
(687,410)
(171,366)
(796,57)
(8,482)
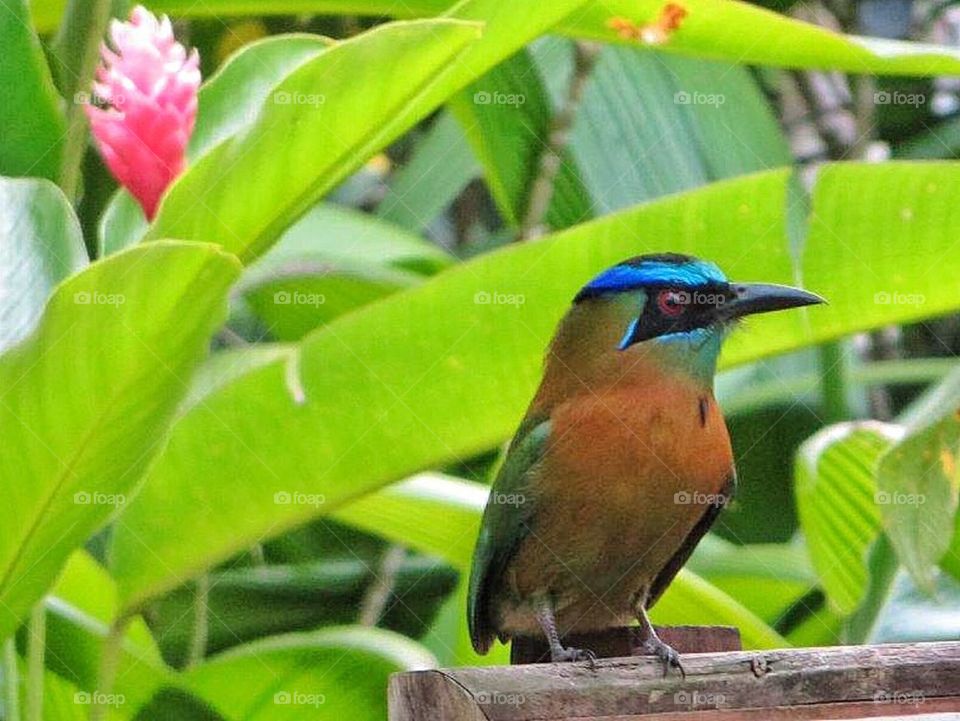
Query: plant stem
(88,20)
(551,160)
(376,598)
(109,660)
(201,627)
(11,681)
(834,382)
(36,647)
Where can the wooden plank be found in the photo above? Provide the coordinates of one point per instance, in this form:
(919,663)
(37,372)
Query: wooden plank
(813,683)
(616,642)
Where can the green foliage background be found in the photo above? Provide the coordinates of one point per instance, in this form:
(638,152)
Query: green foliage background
(246,446)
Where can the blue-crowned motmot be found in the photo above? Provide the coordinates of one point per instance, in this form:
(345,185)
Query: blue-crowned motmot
(622,461)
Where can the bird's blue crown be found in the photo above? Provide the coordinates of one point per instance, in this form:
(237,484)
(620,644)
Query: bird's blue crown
(668,269)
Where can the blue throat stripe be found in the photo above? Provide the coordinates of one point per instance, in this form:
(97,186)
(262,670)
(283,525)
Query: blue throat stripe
(628,336)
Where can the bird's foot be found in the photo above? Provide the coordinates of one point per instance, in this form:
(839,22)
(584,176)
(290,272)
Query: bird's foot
(667,655)
(565,654)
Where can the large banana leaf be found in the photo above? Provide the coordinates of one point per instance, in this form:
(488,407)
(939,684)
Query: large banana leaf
(407,383)
(86,400)
(722,29)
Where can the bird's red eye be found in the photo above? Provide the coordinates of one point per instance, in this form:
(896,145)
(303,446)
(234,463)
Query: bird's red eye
(672,303)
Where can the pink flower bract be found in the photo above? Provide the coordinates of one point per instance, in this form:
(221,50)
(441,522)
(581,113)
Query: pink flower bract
(148,85)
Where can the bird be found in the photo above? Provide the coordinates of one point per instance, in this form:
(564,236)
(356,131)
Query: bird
(622,461)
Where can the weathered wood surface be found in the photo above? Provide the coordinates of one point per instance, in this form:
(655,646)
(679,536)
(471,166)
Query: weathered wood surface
(820,683)
(616,642)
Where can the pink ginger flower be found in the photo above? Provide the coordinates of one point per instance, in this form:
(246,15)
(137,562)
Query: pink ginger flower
(148,85)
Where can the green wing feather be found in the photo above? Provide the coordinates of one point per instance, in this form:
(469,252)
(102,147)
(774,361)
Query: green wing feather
(504,526)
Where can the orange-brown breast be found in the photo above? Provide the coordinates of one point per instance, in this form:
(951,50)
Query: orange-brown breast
(628,472)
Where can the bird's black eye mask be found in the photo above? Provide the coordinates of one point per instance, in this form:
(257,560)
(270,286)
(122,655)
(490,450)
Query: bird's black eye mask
(672,309)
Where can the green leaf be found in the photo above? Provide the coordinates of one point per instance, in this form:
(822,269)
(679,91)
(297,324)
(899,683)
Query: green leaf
(918,484)
(931,405)
(309,134)
(918,498)
(882,568)
(340,135)
(431,513)
(406,383)
(87,397)
(765,578)
(174,703)
(220,369)
(747,34)
(30,115)
(439,169)
(835,489)
(737,31)
(257,68)
(121,225)
(79,612)
(40,245)
(506,116)
(650,125)
(333,673)
(691,600)
(86,586)
(884,223)
(332,261)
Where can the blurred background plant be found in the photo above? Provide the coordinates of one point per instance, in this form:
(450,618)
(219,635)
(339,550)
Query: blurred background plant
(247,443)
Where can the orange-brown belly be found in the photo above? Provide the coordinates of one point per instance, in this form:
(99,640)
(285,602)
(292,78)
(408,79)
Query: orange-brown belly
(627,475)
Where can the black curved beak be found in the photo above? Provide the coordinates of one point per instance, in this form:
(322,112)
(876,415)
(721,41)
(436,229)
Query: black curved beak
(750,298)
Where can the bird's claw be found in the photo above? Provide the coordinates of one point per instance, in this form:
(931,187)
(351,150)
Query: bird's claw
(573,655)
(667,655)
